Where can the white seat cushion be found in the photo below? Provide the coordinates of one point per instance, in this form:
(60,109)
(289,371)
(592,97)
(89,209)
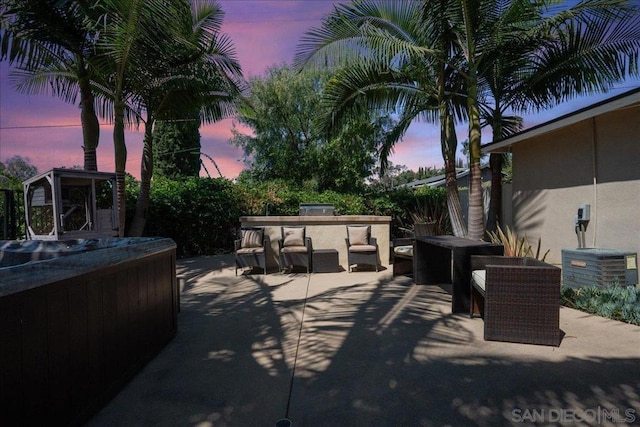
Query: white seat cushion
(362,248)
(294,249)
(479,278)
(404,250)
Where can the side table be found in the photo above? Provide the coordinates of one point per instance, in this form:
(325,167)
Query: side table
(447,259)
(325,261)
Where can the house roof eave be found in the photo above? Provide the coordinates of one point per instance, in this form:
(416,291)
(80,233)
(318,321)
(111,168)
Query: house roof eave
(618,102)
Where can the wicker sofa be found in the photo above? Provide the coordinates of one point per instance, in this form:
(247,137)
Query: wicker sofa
(519,299)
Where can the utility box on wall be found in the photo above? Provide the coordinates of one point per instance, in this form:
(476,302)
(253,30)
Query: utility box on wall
(599,267)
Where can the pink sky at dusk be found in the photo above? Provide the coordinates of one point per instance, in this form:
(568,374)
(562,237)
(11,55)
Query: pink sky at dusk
(265,33)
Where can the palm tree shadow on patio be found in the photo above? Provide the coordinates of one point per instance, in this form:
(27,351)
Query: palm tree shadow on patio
(401,358)
(373,353)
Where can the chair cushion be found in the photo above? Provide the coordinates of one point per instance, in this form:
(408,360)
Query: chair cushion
(358,235)
(250,250)
(362,248)
(294,249)
(293,236)
(404,250)
(479,278)
(251,239)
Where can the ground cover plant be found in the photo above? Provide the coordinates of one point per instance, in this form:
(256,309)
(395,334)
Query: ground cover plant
(614,302)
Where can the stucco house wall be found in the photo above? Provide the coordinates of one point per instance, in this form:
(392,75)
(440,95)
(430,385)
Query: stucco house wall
(595,161)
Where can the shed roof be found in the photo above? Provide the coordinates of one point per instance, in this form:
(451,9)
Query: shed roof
(623,100)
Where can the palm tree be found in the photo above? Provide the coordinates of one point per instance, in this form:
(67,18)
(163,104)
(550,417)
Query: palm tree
(490,30)
(477,34)
(558,55)
(202,72)
(53,47)
(397,61)
(133,32)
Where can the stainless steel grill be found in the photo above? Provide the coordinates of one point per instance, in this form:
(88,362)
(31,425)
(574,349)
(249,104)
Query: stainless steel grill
(317,209)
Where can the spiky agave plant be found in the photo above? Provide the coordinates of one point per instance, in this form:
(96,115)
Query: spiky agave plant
(516,246)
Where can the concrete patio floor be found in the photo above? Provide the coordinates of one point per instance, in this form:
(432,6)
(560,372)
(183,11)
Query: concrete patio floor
(367,349)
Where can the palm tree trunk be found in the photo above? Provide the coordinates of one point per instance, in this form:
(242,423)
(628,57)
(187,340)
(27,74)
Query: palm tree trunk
(146,173)
(449,144)
(120,150)
(495,204)
(476,206)
(449,139)
(89,120)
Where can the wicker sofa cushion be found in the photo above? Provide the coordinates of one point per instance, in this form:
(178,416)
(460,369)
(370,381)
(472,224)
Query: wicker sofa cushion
(293,236)
(251,239)
(479,277)
(358,235)
(406,250)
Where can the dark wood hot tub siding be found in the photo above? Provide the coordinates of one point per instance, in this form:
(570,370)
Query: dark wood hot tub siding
(66,348)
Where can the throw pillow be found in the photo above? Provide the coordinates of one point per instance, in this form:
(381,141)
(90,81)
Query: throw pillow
(293,236)
(358,235)
(251,238)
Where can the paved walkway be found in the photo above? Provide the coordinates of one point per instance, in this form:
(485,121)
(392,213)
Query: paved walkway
(367,349)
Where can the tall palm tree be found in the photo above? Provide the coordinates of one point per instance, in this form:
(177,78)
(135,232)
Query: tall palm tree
(201,73)
(133,31)
(53,47)
(490,30)
(396,61)
(557,54)
(478,33)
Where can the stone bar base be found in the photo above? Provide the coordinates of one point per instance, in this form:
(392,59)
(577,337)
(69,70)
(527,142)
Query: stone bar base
(326,232)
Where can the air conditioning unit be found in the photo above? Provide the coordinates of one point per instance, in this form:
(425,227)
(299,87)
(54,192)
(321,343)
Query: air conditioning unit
(601,267)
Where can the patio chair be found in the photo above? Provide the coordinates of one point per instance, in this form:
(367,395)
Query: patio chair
(403,247)
(403,256)
(518,297)
(251,248)
(294,248)
(361,247)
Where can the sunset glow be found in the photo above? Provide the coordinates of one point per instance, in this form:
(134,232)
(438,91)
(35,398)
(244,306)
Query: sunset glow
(264,33)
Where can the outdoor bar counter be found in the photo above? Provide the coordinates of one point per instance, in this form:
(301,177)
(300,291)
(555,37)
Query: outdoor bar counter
(326,232)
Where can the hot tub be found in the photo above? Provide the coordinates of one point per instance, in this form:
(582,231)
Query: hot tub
(78,318)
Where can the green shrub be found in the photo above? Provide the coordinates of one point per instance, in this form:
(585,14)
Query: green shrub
(202,215)
(408,203)
(613,302)
(199,214)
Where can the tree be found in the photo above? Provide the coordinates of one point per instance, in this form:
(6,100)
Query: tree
(285,144)
(177,148)
(132,35)
(584,49)
(17,169)
(395,59)
(451,40)
(53,46)
(193,77)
